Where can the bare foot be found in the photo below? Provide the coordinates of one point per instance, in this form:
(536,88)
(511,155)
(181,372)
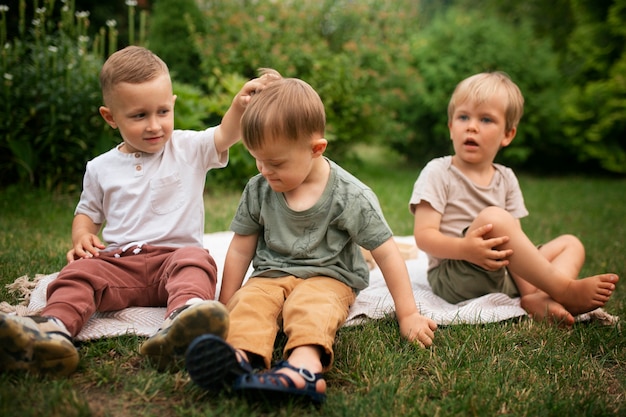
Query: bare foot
(299,381)
(541,307)
(584,295)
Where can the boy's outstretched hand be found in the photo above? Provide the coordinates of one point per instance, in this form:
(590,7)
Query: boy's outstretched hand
(418,328)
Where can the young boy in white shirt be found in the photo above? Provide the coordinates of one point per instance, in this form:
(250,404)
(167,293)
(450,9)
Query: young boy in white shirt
(146,195)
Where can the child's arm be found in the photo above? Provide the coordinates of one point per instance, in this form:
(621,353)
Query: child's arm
(238,257)
(229,131)
(413,325)
(85,241)
(475,247)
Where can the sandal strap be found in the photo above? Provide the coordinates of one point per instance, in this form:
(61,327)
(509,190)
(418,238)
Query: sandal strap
(309,377)
(273,382)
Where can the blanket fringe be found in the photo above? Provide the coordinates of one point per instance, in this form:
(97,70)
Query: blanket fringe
(602,317)
(22,287)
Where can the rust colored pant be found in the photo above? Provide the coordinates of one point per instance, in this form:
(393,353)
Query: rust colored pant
(154,277)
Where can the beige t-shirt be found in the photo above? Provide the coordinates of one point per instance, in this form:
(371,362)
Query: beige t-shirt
(459,200)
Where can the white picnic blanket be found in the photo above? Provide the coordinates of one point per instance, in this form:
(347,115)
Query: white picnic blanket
(372,303)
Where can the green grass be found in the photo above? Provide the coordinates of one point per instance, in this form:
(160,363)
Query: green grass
(517,367)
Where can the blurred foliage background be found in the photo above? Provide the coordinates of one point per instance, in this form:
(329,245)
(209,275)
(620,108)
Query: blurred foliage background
(385,70)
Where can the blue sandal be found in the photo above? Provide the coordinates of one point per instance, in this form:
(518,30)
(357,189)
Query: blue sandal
(212,363)
(280,386)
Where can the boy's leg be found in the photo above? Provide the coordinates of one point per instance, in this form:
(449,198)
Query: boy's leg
(529,264)
(313,313)
(254,310)
(254,313)
(188,273)
(567,254)
(105,283)
(188,279)
(43,343)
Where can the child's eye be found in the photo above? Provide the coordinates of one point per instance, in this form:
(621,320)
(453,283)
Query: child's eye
(138,116)
(487,120)
(463,117)
(164,111)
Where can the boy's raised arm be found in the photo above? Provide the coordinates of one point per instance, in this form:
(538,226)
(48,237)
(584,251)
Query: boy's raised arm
(229,131)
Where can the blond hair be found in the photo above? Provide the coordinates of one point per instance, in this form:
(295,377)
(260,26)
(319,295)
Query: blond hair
(481,87)
(134,65)
(287,108)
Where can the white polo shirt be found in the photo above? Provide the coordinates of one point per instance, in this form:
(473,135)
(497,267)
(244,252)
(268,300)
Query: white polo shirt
(152,198)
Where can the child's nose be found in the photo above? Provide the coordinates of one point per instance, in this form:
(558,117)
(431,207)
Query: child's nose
(262,168)
(153,123)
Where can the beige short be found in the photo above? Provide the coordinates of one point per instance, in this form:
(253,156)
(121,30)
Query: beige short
(456,281)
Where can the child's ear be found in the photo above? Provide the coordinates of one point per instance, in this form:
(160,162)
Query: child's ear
(318,146)
(106,114)
(508,137)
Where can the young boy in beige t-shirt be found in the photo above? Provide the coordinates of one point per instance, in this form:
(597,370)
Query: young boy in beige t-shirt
(467,211)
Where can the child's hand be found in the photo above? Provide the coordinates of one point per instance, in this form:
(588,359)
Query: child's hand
(418,328)
(229,131)
(253,87)
(88,246)
(481,250)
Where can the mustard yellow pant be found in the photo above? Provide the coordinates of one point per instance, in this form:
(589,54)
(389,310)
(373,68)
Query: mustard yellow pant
(311,309)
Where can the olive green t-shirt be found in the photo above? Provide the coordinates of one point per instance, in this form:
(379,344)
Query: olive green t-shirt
(323,240)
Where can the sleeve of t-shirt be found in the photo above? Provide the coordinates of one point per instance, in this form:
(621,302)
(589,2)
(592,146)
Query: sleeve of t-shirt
(431,187)
(514,199)
(246,219)
(90,203)
(199,146)
(366,222)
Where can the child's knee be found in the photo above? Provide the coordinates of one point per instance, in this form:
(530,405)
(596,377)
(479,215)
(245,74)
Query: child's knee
(497,216)
(572,242)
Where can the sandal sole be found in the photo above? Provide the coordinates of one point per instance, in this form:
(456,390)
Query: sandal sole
(212,363)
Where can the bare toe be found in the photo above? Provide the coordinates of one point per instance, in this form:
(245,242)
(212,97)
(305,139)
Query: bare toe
(541,307)
(584,295)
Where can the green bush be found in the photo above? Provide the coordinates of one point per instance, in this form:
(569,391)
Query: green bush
(350,52)
(50,94)
(170,29)
(595,122)
(49,100)
(384,69)
(458,44)
(594,107)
